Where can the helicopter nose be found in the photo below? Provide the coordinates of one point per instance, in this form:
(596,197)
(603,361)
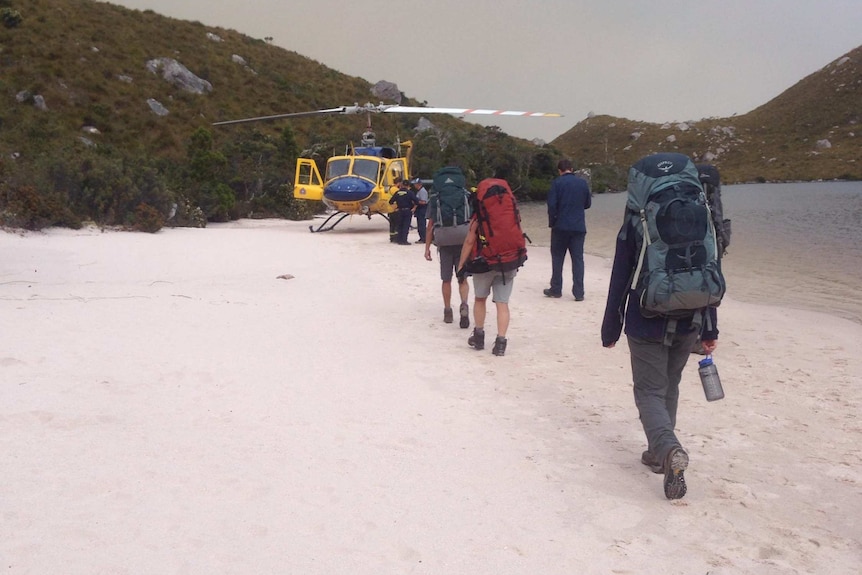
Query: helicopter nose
(347,189)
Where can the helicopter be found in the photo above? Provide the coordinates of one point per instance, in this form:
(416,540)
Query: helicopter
(361,181)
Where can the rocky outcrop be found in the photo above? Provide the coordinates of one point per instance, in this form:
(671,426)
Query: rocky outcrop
(179,75)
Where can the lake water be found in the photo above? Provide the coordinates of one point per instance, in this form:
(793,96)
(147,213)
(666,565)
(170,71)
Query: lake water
(796,245)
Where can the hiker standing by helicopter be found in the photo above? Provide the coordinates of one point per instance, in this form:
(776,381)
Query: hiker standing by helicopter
(421,208)
(405,200)
(394,221)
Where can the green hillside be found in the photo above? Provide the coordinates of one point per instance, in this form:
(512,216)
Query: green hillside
(96,125)
(90,128)
(811,131)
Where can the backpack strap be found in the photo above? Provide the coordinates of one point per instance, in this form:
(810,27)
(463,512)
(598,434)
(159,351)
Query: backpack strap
(466,207)
(669,332)
(644,243)
(711,222)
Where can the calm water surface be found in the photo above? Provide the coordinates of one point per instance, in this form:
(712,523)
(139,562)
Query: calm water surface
(796,245)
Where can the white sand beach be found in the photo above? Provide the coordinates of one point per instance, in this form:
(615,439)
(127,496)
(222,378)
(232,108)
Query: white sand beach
(170,405)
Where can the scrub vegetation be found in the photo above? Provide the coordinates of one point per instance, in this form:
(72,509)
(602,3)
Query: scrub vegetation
(88,133)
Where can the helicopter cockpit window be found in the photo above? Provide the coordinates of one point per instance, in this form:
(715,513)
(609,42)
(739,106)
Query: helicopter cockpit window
(396,170)
(366,168)
(306,175)
(337,168)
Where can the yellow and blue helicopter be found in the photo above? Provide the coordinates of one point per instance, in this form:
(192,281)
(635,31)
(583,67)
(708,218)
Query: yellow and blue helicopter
(362,180)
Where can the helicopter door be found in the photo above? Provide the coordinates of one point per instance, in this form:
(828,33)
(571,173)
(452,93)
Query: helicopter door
(308,184)
(395,169)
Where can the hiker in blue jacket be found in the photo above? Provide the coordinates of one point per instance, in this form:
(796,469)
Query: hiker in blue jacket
(568,197)
(659,350)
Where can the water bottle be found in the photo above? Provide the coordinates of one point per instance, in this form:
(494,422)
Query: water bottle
(710,380)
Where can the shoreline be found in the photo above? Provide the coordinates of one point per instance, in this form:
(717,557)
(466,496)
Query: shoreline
(759,268)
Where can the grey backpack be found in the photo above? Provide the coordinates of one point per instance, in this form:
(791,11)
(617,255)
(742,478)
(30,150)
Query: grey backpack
(678,271)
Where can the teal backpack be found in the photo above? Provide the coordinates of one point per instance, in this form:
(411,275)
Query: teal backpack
(678,270)
(449,206)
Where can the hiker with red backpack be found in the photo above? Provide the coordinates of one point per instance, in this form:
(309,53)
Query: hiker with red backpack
(492,253)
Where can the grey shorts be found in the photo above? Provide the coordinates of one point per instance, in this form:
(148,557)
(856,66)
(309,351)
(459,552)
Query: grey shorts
(449,256)
(498,282)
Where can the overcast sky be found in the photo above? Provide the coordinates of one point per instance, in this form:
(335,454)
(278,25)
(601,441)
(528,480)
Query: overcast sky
(651,60)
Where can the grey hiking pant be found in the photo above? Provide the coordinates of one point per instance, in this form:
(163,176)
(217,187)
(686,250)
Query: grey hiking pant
(656,373)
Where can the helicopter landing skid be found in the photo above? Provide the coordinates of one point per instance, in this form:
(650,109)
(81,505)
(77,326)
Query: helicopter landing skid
(323,228)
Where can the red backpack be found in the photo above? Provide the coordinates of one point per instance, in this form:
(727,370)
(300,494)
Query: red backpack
(501,242)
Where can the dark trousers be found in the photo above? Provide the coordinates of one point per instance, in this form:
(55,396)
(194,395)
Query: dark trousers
(405,216)
(394,222)
(420,220)
(656,373)
(573,244)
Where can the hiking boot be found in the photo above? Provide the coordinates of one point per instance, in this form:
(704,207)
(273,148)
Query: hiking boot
(464,310)
(499,346)
(675,465)
(447,315)
(648,459)
(551,293)
(477,340)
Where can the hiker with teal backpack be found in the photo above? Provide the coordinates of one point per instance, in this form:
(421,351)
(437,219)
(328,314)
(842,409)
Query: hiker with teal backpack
(666,283)
(448,216)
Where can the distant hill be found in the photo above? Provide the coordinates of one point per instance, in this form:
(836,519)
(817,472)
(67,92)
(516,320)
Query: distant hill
(811,131)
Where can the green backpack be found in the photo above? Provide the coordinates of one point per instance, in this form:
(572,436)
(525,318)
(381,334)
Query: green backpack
(678,270)
(449,206)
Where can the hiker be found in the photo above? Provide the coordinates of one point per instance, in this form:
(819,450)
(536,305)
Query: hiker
(568,197)
(405,200)
(421,208)
(492,253)
(660,343)
(448,219)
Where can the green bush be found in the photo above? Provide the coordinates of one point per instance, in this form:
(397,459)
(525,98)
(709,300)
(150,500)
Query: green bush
(24,207)
(11,18)
(187,215)
(148,219)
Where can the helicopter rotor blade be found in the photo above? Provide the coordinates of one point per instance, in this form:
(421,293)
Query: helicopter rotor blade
(465,111)
(393,108)
(339,110)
